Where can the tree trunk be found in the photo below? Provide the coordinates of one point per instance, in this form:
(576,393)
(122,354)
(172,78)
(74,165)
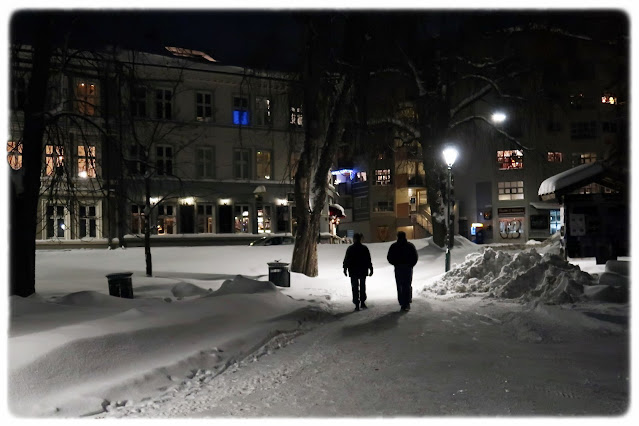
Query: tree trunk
(25,183)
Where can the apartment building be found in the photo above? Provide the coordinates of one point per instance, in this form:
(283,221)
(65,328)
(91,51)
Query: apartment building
(212,147)
(496,178)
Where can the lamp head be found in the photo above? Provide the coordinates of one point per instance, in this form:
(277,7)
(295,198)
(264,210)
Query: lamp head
(450,155)
(498,117)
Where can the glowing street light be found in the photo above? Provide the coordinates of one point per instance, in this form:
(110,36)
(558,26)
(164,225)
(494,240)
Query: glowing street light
(450,155)
(498,117)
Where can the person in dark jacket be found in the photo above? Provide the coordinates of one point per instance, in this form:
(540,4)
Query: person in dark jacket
(403,256)
(357,262)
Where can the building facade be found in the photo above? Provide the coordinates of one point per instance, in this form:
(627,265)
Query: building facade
(192,146)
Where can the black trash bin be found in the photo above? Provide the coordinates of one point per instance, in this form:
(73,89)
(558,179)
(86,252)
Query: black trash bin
(279,274)
(120,285)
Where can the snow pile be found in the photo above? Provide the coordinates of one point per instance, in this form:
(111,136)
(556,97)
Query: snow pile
(525,275)
(243,285)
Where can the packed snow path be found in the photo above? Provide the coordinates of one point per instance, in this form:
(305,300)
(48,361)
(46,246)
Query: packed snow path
(467,356)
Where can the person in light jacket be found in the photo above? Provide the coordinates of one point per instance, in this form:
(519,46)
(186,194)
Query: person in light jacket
(403,256)
(357,262)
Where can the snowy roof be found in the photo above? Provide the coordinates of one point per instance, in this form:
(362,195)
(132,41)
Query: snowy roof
(338,208)
(570,177)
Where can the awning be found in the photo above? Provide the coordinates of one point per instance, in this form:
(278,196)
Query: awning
(336,210)
(540,205)
(580,175)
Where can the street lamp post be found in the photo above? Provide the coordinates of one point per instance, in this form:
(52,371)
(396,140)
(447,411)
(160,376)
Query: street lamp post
(450,155)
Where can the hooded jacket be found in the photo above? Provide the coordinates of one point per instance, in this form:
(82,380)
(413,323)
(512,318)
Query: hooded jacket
(358,260)
(402,253)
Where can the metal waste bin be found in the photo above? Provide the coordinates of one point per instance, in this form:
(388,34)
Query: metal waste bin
(120,285)
(279,274)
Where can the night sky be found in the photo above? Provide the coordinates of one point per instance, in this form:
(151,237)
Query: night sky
(274,39)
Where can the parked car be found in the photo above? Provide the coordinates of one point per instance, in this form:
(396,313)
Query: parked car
(273,240)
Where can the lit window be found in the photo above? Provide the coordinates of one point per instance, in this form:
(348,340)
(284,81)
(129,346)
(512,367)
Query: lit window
(382,177)
(205,219)
(609,99)
(555,221)
(263,111)
(86,97)
(360,177)
(240,110)
(166,220)
(510,190)
(163,104)
(86,161)
(296,117)
(242,219)
(54,159)
(203,106)
(507,160)
(264,219)
(14,155)
(583,158)
(555,157)
(137,219)
(164,160)
(263,163)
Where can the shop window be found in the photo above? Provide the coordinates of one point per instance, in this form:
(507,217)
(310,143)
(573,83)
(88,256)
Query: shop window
(163,104)
(56,226)
(138,101)
(137,219)
(263,111)
(205,162)
(264,220)
(164,160)
(512,159)
(263,164)
(296,117)
(54,160)
(583,130)
(382,177)
(510,190)
(14,155)
(205,219)
(86,161)
(511,228)
(166,220)
(240,110)
(241,163)
(86,97)
(242,219)
(87,221)
(555,157)
(555,221)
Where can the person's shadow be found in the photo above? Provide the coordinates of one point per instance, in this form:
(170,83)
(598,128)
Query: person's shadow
(377,325)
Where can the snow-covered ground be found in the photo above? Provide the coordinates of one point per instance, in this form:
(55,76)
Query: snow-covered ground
(74,350)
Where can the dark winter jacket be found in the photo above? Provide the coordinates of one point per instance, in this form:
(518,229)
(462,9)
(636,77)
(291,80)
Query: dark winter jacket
(358,260)
(402,252)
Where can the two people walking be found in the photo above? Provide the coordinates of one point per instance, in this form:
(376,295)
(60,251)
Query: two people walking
(357,262)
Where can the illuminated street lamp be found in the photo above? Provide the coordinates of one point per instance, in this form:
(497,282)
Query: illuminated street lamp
(450,155)
(498,117)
